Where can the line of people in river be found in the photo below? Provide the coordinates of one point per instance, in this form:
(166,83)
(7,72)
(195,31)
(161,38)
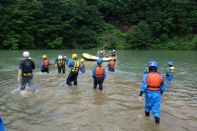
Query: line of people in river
(153,84)
(27,66)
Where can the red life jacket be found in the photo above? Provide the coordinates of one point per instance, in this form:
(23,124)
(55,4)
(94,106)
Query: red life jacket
(83,65)
(112,64)
(46,63)
(153,81)
(99,72)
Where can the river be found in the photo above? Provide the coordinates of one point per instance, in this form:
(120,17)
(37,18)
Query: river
(57,107)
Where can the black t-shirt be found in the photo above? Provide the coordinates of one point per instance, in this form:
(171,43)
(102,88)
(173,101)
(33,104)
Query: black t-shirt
(27,66)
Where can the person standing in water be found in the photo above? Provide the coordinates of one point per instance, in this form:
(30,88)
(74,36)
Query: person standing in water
(153,86)
(98,74)
(169,72)
(60,64)
(25,74)
(75,66)
(44,65)
(83,69)
(111,65)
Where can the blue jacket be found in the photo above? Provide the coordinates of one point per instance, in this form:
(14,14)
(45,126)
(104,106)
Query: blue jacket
(144,85)
(94,70)
(1,125)
(66,60)
(42,63)
(72,63)
(169,76)
(82,69)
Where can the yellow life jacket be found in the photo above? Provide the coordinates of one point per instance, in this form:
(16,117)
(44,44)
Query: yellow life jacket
(60,63)
(76,66)
(171,69)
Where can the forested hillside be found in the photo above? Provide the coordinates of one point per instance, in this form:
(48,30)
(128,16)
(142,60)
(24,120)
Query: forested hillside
(90,24)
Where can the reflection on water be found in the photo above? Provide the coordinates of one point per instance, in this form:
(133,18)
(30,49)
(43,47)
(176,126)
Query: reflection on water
(58,107)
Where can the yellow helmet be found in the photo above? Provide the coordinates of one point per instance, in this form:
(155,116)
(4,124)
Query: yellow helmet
(44,56)
(74,56)
(172,68)
(82,60)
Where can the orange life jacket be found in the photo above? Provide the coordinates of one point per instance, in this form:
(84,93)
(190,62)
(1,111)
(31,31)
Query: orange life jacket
(112,64)
(99,72)
(153,81)
(83,65)
(46,63)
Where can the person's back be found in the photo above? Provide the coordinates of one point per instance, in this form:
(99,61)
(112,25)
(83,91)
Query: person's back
(153,86)
(83,66)
(169,72)
(25,74)
(75,65)
(98,74)
(111,65)
(44,65)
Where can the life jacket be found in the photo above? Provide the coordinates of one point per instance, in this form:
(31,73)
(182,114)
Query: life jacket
(46,63)
(75,68)
(111,64)
(60,63)
(27,66)
(171,69)
(83,65)
(153,81)
(99,72)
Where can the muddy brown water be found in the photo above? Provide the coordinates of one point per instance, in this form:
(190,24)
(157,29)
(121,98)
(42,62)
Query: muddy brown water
(57,107)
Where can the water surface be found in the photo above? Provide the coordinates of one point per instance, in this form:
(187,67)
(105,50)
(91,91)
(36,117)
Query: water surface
(57,107)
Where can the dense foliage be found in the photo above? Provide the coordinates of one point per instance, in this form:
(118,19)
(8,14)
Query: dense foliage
(85,24)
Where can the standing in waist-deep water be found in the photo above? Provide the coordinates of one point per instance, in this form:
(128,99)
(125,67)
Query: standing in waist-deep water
(113,54)
(60,64)
(25,74)
(111,65)
(169,72)
(153,87)
(83,65)
(98,74)
(44,65)
(75,66)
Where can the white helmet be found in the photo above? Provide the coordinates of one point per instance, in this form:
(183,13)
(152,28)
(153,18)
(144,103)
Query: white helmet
(26,54)
(60,57)
(114,50)
(101,51)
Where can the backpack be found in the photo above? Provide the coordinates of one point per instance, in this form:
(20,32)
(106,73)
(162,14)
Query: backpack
(27,66)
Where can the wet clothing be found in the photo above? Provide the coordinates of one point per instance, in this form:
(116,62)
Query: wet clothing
(153,86)
(83,69)
(60,65)
(27,66)
(113,54)
(98,74)
(146,70)
(1,125)
(29,81)
(111,66)
(44,65)
(169,75)
(66,60)
(75,67)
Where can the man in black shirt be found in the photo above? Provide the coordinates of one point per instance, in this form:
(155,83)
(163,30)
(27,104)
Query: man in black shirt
(25,74)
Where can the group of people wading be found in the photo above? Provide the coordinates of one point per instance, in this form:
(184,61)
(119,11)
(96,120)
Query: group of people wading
(153,83)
